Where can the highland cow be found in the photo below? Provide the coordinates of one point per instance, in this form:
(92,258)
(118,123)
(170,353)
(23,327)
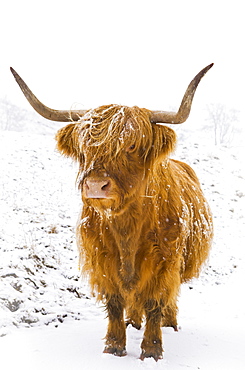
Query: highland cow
(145,226)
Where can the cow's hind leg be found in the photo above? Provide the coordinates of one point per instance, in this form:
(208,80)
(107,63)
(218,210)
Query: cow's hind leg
(170,316)
(116,332)
(152,343)
(134,317)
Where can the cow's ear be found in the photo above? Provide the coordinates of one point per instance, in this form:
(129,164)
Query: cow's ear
(67,141)
(164,142)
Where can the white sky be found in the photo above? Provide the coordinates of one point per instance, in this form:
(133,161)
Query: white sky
(132,52)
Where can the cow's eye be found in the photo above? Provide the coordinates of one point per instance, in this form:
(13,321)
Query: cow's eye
(131,148)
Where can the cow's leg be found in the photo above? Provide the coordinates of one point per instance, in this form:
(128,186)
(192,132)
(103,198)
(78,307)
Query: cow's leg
(134,317)
(116,332)
(152,343)
(170,316)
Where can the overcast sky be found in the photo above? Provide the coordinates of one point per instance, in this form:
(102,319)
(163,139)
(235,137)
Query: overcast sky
(131,52)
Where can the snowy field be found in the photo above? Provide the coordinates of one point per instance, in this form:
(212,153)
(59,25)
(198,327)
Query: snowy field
(49,320)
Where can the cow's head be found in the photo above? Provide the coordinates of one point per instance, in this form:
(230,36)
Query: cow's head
(116,146)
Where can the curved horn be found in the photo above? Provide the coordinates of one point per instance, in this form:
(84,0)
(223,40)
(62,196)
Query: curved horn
(52,114)
(185,106)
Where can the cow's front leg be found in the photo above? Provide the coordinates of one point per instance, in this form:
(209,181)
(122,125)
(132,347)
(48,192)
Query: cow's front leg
(152,343)
(116,332)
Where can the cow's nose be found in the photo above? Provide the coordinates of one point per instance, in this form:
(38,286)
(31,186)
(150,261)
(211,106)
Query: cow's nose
(97,188)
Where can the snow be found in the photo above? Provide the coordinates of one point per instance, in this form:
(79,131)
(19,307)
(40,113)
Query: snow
(48,318)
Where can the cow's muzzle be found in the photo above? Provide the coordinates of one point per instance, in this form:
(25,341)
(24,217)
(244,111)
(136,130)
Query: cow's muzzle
(97,188)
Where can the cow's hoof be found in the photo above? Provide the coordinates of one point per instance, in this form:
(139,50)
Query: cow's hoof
(133,323)
(155,355)
(115,351)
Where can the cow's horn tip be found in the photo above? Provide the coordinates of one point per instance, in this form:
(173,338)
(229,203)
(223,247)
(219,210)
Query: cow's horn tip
(13,71)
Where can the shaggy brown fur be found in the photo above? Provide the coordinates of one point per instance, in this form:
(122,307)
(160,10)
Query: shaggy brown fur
(154,230)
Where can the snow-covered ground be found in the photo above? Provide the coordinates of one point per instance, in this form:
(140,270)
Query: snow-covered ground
(49,320)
